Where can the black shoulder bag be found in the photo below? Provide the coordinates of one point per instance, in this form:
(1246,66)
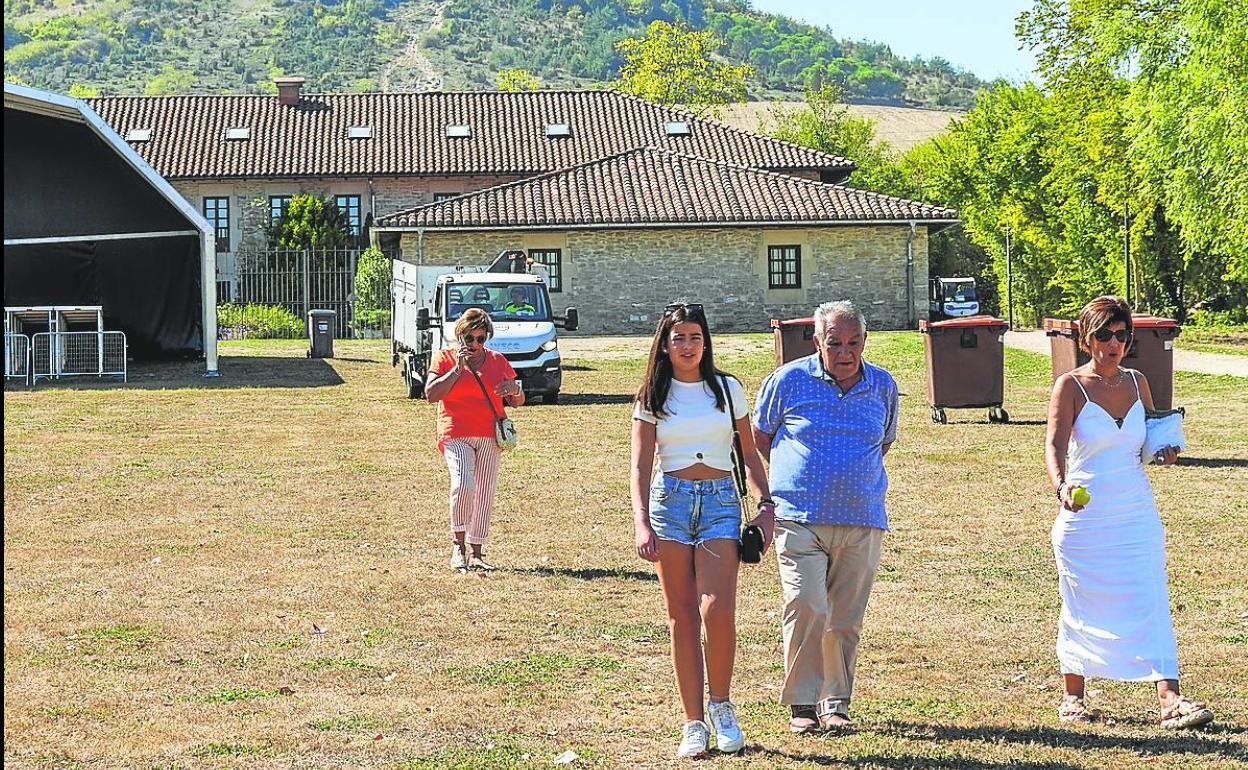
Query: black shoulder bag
(751,542)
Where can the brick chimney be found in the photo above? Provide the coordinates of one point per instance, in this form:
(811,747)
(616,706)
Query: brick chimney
(288,88)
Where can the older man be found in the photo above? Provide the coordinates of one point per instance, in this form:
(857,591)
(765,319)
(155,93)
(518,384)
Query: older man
(825,422)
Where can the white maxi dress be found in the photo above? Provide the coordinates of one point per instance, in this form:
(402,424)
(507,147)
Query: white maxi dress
(1111,556)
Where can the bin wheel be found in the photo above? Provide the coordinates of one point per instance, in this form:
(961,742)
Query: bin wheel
(939,417)
(415,387)
(550,398)
(997,414)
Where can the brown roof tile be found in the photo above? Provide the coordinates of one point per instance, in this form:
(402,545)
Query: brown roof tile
(655,186)
(188,138)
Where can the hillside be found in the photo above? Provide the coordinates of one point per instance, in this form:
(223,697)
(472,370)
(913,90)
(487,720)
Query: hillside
(232,46)
(900,127)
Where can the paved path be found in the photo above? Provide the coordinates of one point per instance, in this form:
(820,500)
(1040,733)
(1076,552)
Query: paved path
(1184,360)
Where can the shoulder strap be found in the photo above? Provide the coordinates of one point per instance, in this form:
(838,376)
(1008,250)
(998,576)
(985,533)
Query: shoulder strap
(738,454)
(488,400)
(1080,386)
(1137,384)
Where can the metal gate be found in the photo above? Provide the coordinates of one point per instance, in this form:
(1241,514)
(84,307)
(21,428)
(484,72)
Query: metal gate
(16,357)
(311,279)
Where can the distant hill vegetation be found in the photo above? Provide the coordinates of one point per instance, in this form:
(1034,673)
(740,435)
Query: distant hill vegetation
(232,46)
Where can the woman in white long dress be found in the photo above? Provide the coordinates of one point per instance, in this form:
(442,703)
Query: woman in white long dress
(1110,550)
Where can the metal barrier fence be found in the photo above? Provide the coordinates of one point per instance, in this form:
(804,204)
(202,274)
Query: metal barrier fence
(16,357)
(73,354)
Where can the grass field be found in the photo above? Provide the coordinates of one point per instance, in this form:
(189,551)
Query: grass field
(250,573)
(1232,340)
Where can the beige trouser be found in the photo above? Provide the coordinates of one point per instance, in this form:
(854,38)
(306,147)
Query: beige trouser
(826,572)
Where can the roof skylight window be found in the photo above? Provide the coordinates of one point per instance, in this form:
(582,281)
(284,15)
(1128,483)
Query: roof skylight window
(360,132)
(676,128)
(458,131)
(558,129)
(139,135)
(238,133)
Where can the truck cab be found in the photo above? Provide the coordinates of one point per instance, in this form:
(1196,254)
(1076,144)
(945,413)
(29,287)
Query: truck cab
(429,300)
(952,298)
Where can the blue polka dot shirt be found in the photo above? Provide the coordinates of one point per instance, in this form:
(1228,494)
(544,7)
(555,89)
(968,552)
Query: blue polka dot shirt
(827,458)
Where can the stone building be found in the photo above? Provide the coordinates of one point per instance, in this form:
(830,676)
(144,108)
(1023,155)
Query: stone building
(392,160)
(625,235)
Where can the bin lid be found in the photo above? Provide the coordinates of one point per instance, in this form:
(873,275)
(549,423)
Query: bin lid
(957,323)
(318,312)
(1152,322)
(1061,325)
(1137,321)
(777,323)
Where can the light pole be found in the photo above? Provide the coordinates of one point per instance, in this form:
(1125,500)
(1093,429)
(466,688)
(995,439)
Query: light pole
(1009,279)
(1126,246)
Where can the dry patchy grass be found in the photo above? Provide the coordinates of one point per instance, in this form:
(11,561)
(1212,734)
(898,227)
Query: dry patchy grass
(250,572)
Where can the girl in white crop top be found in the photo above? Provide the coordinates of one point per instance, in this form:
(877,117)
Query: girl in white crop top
(688,518)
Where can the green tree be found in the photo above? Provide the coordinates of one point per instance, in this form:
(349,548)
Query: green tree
(372,290)
(310,223)
(825,124)
(674,65)
(82,91)
(1182,66)
(518,79)
(171,80)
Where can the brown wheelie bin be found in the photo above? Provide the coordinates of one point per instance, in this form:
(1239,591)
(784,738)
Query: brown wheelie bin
(1064,348)
(965,365)
(1151,352)
(794,338)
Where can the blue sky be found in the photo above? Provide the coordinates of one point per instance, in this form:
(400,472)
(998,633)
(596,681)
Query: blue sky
(977,35)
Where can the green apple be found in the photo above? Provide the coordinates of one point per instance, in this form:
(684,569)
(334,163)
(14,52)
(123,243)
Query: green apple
(1079,495)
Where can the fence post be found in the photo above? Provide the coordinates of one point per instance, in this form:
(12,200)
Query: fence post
(351,298)
(307,284)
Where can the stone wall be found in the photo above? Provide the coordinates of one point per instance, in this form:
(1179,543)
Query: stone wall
(249,199)
(619,280)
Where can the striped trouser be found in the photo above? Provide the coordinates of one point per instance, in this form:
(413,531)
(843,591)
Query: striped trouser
(473,463)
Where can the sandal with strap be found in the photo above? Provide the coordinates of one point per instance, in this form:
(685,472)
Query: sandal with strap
(1075,710)
(1183,713)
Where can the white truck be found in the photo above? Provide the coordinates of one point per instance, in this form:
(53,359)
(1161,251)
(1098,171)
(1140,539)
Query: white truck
(951,298)
(427,300)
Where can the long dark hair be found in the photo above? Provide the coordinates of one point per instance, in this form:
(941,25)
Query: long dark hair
(657,382)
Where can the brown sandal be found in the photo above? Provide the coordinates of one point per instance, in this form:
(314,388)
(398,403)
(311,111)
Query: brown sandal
(1183,713)
(1075,710)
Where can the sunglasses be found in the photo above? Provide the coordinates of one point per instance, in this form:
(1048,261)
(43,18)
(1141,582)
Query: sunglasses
(691,308)
(1103,334)
(480,339)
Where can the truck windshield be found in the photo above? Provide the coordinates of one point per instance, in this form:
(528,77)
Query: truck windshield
(503,301)
(959,292)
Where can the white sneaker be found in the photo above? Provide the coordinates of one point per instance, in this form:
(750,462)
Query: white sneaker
(459,561)
(695,741)
(728,735)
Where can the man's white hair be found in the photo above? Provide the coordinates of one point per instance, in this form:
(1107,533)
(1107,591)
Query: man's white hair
(830,312)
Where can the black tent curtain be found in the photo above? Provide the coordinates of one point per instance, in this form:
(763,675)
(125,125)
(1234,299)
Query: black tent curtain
(62,180)
(149,288)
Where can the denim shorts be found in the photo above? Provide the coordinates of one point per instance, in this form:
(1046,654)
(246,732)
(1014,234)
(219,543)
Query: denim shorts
(692,512)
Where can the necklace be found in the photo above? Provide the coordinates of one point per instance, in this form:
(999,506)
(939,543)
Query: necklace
(1108,382)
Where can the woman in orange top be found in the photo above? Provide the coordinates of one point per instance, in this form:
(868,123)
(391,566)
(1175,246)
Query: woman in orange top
(466,429)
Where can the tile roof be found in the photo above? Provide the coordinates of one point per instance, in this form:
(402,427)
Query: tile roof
(508,134)
(654,186)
